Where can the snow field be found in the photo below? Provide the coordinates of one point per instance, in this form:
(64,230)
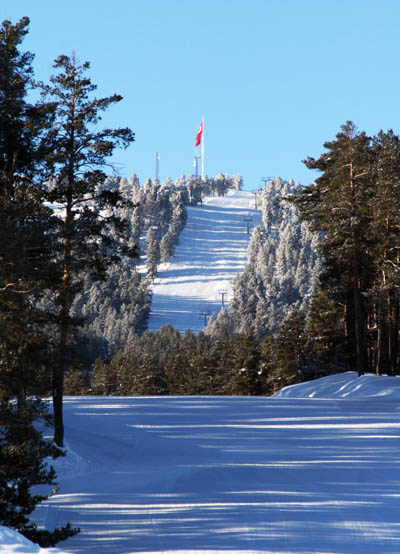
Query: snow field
(314,469)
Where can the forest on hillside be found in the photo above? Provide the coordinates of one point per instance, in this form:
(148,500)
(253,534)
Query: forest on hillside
(319,293)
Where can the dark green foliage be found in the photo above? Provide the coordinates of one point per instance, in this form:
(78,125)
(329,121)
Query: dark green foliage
(27,270)
(340,205)
(325,328)
(26,267)
(23,136)
(246,363)
(90,234)
(354,204)
(166,362)
(23,465)
(285,353)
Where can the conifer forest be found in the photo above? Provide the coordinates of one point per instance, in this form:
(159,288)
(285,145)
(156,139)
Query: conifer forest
(80,248)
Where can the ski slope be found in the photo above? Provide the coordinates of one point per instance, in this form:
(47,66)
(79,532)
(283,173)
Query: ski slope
(314,469)
(211,251)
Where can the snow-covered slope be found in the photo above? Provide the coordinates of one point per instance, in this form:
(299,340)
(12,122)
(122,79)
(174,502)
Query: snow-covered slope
(313,469)
(12,542)
(346,385)
(211,251)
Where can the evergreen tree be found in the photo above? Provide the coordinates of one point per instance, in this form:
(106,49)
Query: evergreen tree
(384,300)
(237,182)
(23,139)
(152,251)
(167,246)
(26,268)
(75,178)
(285,353)
(245,363)
(23,465)
(221,325)
(340,205)
(324,333)
(282,266)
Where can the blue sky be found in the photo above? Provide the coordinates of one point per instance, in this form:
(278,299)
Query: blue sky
(274,79)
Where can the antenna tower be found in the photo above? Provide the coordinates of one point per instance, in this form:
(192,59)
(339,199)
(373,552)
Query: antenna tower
(157,166)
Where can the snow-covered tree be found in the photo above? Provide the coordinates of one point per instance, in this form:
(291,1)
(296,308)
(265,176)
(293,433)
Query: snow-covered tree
(282,266)
(152,251)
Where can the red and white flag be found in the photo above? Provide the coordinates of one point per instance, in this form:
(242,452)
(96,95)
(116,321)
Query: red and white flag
(199,133)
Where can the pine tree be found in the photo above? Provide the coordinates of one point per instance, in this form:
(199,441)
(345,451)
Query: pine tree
(282,266)
(23,139)
(26,268)
(339,205)
(167,246)
(90,234)
(324,331)
(384,299)
(23,465)
(237,182)
(245,353)
(285,352)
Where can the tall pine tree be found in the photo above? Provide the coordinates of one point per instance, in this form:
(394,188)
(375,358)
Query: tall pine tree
(26,270)
(90,234)
(340,206)
(26,267)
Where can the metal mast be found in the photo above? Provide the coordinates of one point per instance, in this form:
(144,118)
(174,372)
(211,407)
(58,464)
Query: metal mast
(157,166)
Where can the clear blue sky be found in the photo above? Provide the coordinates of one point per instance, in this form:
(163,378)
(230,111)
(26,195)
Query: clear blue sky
(274,79)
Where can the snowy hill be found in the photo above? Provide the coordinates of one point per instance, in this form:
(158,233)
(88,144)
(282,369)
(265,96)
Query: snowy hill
(346,385)
(211,251)
(313,469)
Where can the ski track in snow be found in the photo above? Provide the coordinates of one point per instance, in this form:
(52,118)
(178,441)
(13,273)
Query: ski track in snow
(300,472)
(211,251)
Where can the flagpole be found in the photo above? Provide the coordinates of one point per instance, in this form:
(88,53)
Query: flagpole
(202,152)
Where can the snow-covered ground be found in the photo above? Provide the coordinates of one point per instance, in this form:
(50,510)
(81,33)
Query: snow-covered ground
(314,469)
(211,251)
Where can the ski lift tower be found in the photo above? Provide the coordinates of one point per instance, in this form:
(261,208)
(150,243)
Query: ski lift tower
(206,315)
(248,219)
(223,293)
(266,180)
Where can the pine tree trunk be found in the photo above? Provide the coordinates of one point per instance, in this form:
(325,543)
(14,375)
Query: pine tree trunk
(378,351)
(62,361)
(57,391)
(21,399)
(359,326)
(394,339)
(58,377)
(359,323)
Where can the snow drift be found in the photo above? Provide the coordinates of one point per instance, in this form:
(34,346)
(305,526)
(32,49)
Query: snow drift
(345,385)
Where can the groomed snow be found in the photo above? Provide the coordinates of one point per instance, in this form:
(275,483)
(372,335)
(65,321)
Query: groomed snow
(314,469)
(212,250)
